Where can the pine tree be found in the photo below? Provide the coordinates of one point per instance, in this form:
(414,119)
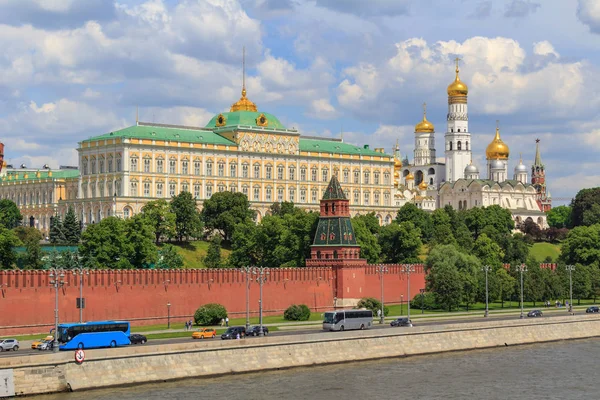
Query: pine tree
(213,255)
(71,227)
(57,234)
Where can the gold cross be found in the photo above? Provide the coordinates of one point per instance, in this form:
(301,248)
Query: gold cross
(424,109)
(457,59)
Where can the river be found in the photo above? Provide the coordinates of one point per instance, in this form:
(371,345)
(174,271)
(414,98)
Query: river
(561,370)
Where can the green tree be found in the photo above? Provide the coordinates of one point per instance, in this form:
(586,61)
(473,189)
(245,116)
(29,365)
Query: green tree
(57,233)
(371,303)
(488,252)
(584,202)
(187,217)
(142,252)
(170,258)
(161,218)
(224,210)
(71,227)
(8,241)
(595,281)
(442,228)
(245,250)
(516,249)
(10,216)
(475,220)
(581,246)
(369,248)
(298,236)
(534,286)
(297,312)
(582,282)
(213,255)
(281,209)
(371,222)
(105,246)
(420,219)
(559,217)
(400,243)
(210,314)
(31,237)
(506,285)
(445,282)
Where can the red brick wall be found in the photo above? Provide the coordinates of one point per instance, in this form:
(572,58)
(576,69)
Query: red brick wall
(27,300)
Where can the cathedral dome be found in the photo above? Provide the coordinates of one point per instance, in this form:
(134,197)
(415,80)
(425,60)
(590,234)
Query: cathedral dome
(457,88)
(410,177)
(496,164)
(520,168)
(423,185)
(424,126)
(497,149)
(471,169)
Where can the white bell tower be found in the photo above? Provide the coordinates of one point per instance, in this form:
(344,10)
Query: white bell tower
(457,138)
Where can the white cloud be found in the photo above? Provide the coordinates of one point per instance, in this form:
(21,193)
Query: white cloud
(520,8)
(322,109)
(544,48)
(588,12)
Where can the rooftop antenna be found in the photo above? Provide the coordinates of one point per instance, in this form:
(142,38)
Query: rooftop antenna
(342,132)
(244,71)
(137,119)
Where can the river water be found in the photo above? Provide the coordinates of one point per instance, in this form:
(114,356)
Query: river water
(561,370)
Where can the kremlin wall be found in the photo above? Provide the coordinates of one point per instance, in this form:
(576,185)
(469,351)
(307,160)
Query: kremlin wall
(141,296)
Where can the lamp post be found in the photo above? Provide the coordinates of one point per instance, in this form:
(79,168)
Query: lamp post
(247,271)
(380,270)
(522,268)
(486,268)
(169,315)
(408,269)
(401,304)
(81,302)
(422,300)
(57,277)
(570,268)
(261,277)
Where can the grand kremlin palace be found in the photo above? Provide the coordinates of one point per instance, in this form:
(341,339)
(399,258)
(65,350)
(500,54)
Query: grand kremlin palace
(245,150)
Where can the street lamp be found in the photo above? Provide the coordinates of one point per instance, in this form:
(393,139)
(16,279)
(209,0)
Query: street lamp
(81,302)
(401,304)
(380,270)
(487,269)
(168,315)
(408,269)
(522,268)
(422,300)
(247,271)
(261,277)
(571,268)
(57,277)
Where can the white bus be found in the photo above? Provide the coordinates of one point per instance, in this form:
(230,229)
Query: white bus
(342,320)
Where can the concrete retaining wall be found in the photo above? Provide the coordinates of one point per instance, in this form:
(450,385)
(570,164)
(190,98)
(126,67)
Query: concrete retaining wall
(110,367)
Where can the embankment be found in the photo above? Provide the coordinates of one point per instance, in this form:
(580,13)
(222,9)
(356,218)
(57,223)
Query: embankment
(150,363)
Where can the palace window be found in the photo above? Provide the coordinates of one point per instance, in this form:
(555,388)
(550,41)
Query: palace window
(346,176)
(146,189)
(356,197)
(133,189)
(233,188)
(221,168)
(196,191)
(133,166)
(172,166)
(244,170)
(367,175)
(376,177)
(347,193)
(119,164)
(386,199)
(245,190)
(101,166)
(325,174)
(280,172)
(101,188)
(172,189)
(269,172)
(196,168)
(280,194)
(110,189)
(118,188)
(146,165)
(209,190)
(292,195)
(110,164)
(160,166)
(367,195)
(185,187)
(256,171)
(303,174)
(269,193)
(356,177)
(209,168)
(233,170)
(386,178)
(376,198)
(126,212)
(302,195)
(221,187)
(292,173)
(185,167)
(94,165)
(257,193)
(313,195)
(85,168)
(159,190)
(313,174)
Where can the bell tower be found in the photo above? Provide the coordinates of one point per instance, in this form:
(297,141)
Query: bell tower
(538,180)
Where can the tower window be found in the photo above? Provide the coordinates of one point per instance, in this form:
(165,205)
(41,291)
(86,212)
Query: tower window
(459,144)
(467,145)
(450,144)
(452,130)
(459,129)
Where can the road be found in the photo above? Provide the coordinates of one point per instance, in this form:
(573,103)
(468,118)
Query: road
(304,330)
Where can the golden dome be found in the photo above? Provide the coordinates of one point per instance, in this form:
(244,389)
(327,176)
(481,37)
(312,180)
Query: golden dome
(424,126)
(397,163)
(396,174)
(423,185)
(243,104)
(457,88)
(410,177)
(497,149)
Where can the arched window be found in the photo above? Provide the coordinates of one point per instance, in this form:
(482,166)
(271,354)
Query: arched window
(458,144)
(450,145)
(459,129)
(467,145)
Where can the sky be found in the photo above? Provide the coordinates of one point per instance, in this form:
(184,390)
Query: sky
(71,69)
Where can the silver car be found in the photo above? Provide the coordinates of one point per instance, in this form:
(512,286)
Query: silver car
(9,344)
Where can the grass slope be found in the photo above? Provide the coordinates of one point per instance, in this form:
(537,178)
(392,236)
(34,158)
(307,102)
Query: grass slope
(542,250)
(194,252)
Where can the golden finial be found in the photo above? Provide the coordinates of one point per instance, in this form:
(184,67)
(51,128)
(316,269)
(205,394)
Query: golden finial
(497,124)
(457,59)
(137,119)
(243,104)
(424,109)
(457,88)
(424,125)
(520,158)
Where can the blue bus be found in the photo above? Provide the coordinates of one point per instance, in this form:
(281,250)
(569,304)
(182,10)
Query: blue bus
(92,335)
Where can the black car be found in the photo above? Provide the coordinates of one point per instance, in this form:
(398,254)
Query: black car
(136,338)
(233,331)
(401,322)
(534,313)
(592,309)
(254,330)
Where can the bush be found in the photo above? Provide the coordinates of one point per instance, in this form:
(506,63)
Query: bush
(371,303)
(427,301)
(210,314)
(297,312)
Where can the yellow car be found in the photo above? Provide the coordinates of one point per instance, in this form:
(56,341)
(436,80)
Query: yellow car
(37,343)
(204,333)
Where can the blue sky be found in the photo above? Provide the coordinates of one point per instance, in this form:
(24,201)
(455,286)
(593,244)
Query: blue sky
(70,69)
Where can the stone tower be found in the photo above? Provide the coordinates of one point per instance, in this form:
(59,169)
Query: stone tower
(538,180)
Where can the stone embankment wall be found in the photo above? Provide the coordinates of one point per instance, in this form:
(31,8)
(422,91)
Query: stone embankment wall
(125,366)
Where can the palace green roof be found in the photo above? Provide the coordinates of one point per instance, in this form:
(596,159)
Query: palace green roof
(31,175)
(166,132)
(334,146)
(246,118)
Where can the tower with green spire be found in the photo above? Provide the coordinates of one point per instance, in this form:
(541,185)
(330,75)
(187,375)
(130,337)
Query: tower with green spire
(538,180)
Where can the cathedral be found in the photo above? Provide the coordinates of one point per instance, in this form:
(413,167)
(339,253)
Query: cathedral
(457,182)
